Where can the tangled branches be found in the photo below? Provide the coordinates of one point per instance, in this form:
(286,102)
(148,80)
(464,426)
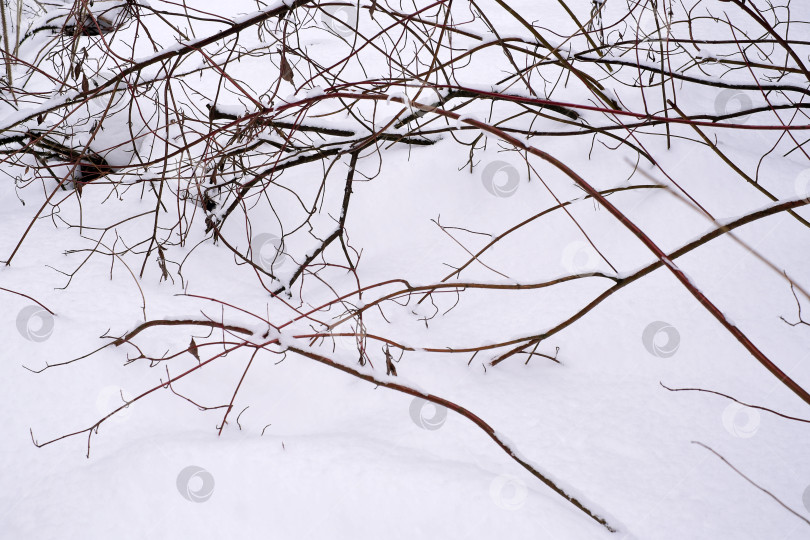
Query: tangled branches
(255,133)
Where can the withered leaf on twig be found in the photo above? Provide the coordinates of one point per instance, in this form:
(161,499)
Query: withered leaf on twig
(192,348)
(162,264)
(85,85)
(390,368)
(286,70)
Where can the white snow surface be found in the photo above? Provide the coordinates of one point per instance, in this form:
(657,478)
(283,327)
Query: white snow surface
(320,454)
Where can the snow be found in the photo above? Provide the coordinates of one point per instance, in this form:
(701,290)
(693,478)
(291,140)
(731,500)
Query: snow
(312,452)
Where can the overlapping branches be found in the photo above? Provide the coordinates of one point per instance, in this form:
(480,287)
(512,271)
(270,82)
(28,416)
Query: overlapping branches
(252,133)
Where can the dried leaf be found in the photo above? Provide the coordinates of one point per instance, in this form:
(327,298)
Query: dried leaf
(390,368)
(162,265)
(192,348)
(286,70)
(209,204)
(85,85)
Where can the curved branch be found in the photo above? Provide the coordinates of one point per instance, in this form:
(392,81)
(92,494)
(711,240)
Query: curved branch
(486,428)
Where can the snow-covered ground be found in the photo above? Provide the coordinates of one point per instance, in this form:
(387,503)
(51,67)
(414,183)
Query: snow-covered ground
(317,453)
